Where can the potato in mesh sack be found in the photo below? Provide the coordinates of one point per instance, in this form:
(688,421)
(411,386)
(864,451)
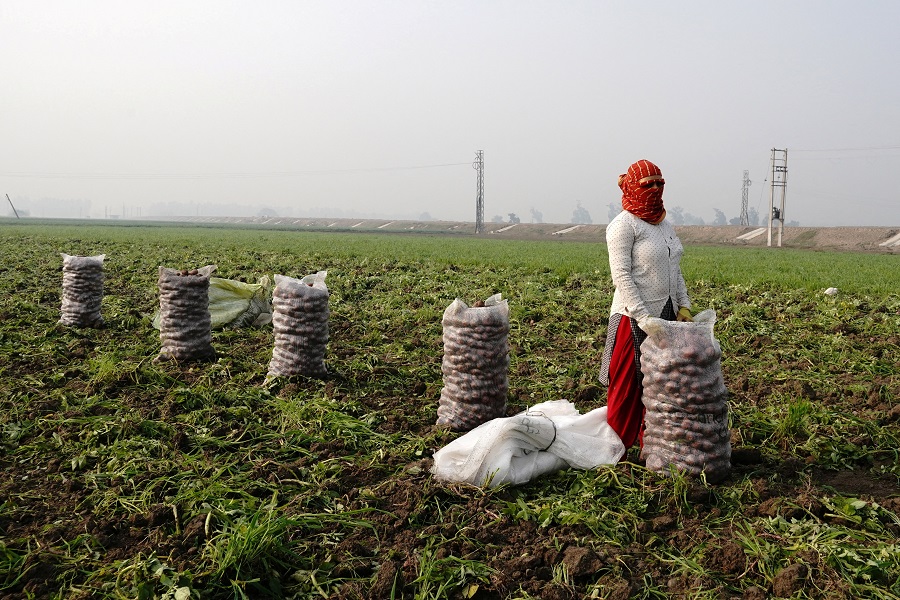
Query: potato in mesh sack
(300,321)
(686,421)
(475,364)
(184,321)
(235,304)
(82,293)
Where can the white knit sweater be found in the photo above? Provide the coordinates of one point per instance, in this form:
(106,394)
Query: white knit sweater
(645,261)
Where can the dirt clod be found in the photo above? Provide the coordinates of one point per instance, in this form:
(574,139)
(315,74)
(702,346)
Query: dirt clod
(789,580)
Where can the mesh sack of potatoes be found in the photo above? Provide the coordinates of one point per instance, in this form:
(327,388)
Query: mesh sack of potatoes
(82,293)
(686,400)
(475,364)
(300,321)
(184,320)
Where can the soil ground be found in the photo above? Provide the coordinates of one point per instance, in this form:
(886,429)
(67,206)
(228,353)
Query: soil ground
(526,553)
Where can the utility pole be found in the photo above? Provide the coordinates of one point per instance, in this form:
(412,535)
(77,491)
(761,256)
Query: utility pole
(15,212)
(745,193)
(779,180)
(478,165)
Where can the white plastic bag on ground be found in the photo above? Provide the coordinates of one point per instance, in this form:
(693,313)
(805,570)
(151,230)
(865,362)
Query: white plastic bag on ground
(547,437)
(686,400)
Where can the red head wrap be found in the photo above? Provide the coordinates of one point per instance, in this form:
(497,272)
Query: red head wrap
(639,195)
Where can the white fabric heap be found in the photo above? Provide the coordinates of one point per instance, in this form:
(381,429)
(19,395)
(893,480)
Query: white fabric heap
(547,437)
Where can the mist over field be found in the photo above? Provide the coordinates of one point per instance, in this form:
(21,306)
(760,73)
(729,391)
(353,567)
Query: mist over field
(377,110)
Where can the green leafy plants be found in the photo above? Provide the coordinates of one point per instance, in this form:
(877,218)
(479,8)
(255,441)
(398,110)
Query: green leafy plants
(122,478)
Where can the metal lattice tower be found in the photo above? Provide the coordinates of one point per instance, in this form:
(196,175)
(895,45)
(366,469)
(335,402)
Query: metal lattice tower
(478,165)
(745,193)
(778,180)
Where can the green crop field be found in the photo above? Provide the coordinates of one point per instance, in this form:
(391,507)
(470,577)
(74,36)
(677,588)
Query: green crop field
(128,478)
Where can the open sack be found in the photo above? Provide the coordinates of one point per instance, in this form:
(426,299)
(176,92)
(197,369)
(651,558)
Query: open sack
(686,399)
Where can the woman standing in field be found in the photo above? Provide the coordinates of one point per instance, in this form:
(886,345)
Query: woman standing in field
(645,261)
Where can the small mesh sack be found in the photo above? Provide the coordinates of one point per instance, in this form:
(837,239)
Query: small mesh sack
(300,321)
(475,364)
(82,293)
(184,321)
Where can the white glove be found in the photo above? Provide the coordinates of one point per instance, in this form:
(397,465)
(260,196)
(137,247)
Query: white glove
(651,325)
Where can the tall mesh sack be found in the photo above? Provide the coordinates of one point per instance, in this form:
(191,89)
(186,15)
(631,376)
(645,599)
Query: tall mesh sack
(300,321)
(686,400)
(475,364)
(184,320)
(82,293)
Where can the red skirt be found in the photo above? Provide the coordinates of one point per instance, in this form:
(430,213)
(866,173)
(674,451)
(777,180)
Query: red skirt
(625,411)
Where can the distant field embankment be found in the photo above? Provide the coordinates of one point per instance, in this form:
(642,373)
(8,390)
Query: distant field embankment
(884,240)
(856,239)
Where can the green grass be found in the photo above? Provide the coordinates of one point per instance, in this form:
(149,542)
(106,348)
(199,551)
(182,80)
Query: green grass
(234,487)
(756,268)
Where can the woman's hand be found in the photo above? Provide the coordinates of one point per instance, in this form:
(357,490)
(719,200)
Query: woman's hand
(684,315)
(650,325)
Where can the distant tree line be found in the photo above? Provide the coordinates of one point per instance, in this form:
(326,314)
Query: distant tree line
(579,216)
(678,216)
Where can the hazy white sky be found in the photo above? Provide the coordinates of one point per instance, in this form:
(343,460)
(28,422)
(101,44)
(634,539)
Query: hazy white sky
(357,107)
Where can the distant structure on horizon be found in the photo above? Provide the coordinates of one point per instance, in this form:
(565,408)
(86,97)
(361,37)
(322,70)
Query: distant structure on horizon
(778,180)
(479,193)
(745,194)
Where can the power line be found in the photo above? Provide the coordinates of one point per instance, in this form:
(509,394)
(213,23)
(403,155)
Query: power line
(860,153)
(810,193)
(762,190)
(225,175)
(865,148)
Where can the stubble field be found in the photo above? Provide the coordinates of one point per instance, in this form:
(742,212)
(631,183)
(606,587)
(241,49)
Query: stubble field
(125,478)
